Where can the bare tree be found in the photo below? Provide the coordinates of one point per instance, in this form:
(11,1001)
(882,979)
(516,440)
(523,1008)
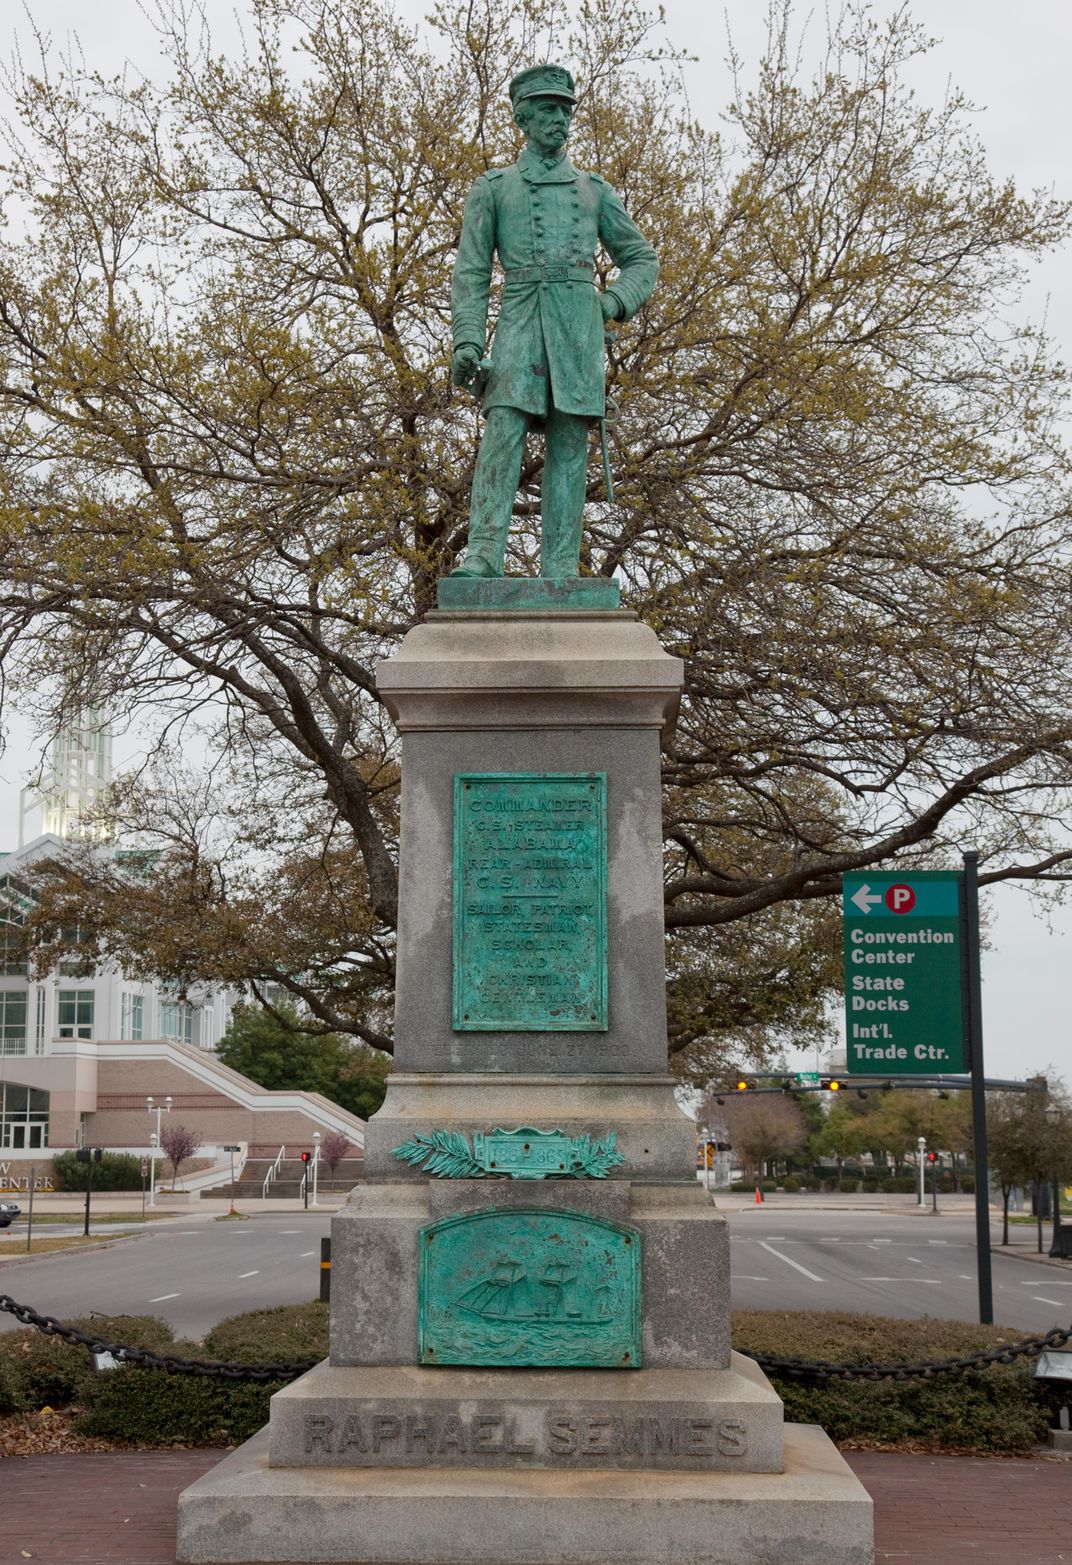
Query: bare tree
(760,1126)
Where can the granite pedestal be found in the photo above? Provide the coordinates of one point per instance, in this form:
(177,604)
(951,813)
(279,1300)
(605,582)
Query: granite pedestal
(384,1456)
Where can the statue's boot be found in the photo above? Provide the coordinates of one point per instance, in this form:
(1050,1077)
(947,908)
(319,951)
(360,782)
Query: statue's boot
(473,565)
(562,494)
(495,481)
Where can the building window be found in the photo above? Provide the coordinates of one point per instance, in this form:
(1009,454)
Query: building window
(130,1017)
(12,950)
(176,1021)
(12,1023)
(41,1005)
(75,1013)
(23,1117)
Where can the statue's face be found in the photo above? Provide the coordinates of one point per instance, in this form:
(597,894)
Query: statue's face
(546,123)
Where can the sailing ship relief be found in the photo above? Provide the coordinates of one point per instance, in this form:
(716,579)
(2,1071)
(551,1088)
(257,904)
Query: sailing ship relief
(529,1288)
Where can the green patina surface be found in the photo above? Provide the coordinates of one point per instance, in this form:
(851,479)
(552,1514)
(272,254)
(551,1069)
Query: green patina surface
(530,902)
(529,594)
(528,1288)
(525,1153)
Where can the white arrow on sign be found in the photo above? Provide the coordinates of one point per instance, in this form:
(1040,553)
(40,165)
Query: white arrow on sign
(865,898)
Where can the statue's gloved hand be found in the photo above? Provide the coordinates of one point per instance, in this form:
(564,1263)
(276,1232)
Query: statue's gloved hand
(463,365)
(608,303)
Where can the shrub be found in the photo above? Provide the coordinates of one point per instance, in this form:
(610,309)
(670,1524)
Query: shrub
(151,1407)
(869,1186)
(768,1186)
(813,1184)
(967,1184)
(115,1171)
(791,1185)
(38,1371)
(279,1336)
(847,1185)
(997,1409)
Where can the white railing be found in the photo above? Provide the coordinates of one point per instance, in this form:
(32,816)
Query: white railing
(12,1045)
(273,1172)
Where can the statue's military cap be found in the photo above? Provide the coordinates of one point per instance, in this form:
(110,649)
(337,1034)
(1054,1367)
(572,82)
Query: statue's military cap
(542,81)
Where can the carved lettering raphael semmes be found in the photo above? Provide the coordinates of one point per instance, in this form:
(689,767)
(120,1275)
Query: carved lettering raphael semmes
(596,1439)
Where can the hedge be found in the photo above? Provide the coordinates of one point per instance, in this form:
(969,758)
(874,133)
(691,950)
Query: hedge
(1002,1409)
(38,1371)
(115,1171)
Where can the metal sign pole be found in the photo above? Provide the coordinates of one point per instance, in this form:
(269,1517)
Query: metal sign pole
(29,1216)
(973,1041)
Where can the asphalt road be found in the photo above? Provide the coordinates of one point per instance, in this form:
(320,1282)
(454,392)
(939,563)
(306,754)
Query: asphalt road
(195,1272)
(191,1272)
(883,1263)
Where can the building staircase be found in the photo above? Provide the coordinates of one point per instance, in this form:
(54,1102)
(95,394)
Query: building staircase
(287,1183)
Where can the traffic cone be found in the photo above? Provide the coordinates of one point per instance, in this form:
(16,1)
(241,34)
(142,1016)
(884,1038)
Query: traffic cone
(759,1196)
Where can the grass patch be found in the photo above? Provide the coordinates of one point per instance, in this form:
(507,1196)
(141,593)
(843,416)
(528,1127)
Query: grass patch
(16,1245)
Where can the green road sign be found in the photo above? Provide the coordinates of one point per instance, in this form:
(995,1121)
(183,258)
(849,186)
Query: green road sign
(903,983)
(807,1078)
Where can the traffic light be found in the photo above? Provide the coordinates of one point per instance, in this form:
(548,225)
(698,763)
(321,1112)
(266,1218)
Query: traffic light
(832,1083)
(932,1157)
(743,1086)
(306,1156)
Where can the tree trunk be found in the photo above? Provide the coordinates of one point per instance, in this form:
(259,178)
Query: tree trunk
(1006,1192)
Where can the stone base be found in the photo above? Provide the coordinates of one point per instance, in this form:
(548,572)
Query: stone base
(656,1139)
(684,1261)
(245,1513)
(716,1420)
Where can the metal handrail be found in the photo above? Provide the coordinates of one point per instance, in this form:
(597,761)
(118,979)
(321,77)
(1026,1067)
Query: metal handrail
(273,1172)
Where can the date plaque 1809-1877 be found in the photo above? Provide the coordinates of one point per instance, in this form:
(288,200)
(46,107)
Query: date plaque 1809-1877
(530,901)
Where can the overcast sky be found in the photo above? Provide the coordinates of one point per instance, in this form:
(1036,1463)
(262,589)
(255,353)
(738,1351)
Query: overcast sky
(1013,62)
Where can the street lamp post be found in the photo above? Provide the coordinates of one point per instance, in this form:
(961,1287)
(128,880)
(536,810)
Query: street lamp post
(316,1165)
(921,1144)
(706,1134)
(154,1142)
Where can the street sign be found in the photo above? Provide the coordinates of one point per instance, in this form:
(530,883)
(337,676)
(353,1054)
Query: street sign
(903,980)
(232,1149)
(144,1168)
(807,1078)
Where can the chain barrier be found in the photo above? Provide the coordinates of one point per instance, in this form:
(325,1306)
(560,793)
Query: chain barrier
(823,1369)
(128,1355)
(788,1368)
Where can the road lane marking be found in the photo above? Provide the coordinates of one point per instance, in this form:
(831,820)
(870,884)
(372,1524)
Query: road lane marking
(883,1241)
(934,1282)
(937,1241)
(243,1275)
(290,1231)
(1041,1300)
(162,1296)
(914,1259)
(744,1277)
(305,1254)
(794,1264)
(1033,1284)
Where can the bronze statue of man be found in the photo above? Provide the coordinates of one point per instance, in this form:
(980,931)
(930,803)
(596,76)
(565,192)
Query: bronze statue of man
(544,220)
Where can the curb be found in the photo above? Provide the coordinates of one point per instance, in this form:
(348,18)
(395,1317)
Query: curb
(1032,1257)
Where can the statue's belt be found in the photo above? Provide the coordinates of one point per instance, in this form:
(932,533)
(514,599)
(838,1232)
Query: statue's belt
(548,274)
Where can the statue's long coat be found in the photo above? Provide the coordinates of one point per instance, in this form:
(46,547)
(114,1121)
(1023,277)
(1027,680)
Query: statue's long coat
(549,337)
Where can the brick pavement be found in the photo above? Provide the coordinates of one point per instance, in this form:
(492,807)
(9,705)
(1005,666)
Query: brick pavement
(118,1508)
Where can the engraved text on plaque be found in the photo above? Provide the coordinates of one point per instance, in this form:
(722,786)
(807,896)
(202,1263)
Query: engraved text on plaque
(530,897)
